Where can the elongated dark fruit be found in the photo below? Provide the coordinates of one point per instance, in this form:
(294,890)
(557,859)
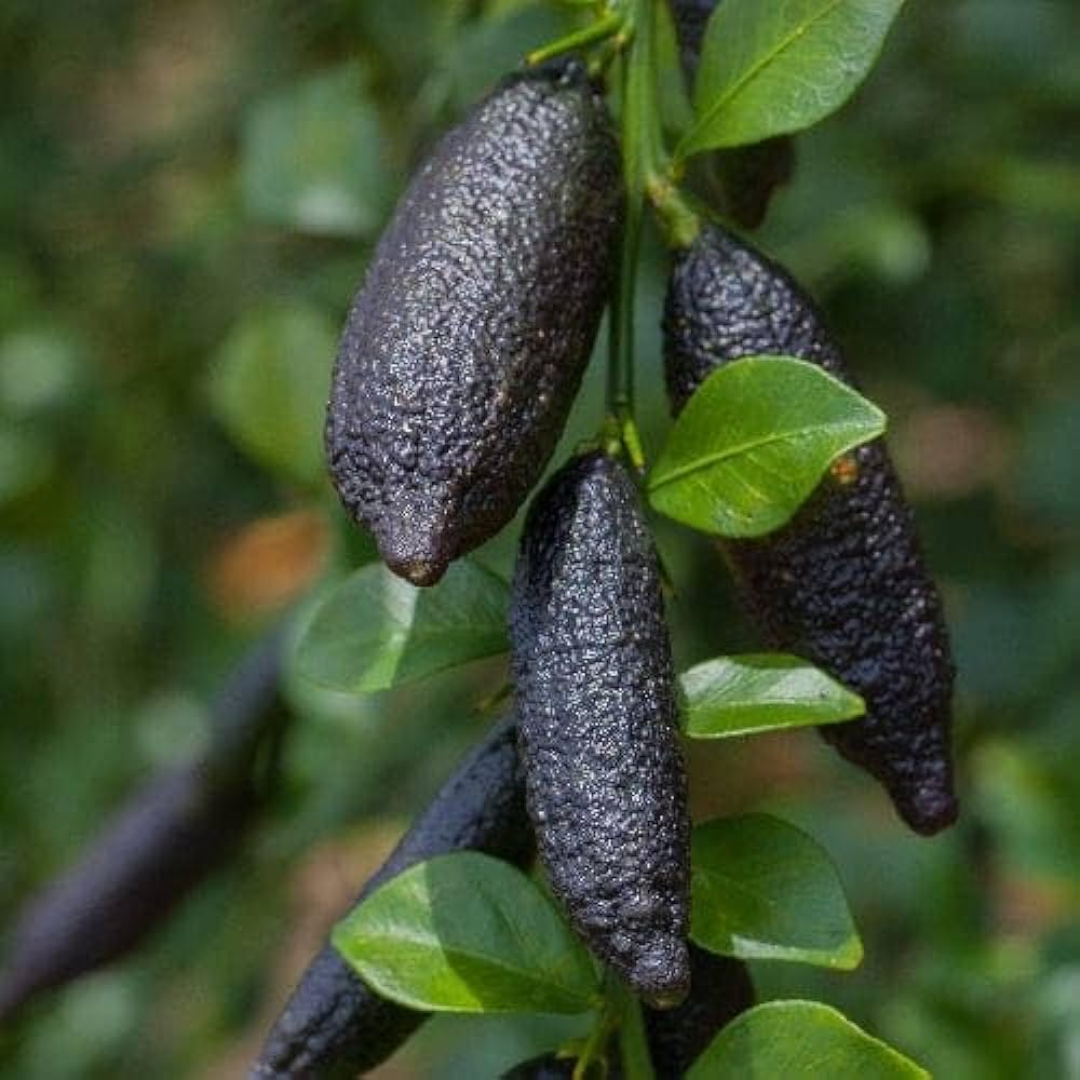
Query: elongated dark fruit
(335,1025)
(465,347)
(720,989)
(741,180)
(844,583)
(169,837)
(597,711)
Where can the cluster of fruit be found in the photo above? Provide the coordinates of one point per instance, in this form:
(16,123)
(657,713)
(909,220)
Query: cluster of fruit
(458,367)
(459,363)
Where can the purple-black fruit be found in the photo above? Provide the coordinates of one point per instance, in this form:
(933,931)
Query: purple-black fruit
(844,583)
(334,1024)
(466,345)
(598,724)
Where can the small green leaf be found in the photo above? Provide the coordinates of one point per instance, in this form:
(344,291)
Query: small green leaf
(764,890)
(800,1039)
(376,631)
(770,67)
(467,933)
(312,159)
(754,441)
(740,695)
(269,385)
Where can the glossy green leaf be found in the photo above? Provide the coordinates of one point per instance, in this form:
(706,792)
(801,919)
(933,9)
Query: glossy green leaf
(740,695)
(764,890)
(754,441)
(800,1039)
(269,385)
(468,933)
(770,67)
(376,631)
(313,159)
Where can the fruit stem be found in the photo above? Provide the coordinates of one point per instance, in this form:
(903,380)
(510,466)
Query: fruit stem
(607,1021)
(599,29)
(633,1044)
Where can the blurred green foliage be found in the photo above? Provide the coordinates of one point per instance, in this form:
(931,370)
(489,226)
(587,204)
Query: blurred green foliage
(187,197)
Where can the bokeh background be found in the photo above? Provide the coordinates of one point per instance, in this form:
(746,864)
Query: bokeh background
(188,194)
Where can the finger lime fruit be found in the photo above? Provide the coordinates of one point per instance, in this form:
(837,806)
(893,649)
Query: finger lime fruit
(466,345)
(178,829)
(334,1024)
(597,712)
(844,583)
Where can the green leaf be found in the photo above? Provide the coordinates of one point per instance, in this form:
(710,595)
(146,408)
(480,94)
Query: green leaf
(269,384)
(376,631)
(312,159)
(754,441)
(467,933)
(770,67)
(764,890)
(740,695)
(800,1038)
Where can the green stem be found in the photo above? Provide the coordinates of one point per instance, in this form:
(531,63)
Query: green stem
(647,176)
(640,131)
(633,1044)
(596,1045)
(599,30)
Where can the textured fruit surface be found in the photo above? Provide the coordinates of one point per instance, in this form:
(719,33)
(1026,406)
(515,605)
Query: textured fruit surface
(597,710)
(334,1024)
(175,831)
(466,345)
(844,583)
(743,180)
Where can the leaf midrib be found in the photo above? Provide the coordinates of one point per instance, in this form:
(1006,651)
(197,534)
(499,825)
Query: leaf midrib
(790,435)
(753,72)
(546,982)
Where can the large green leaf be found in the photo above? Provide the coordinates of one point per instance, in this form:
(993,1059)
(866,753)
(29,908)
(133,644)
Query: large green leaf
(739,695)
(770,67)
(800,1039)
(313,158)
(376,631)
(269,385)
(754,441)
(764,890)
(467,933)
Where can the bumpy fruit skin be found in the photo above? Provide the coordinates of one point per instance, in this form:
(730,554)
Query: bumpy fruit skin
(844,583)
(741,180)
(178,829)
(720,990)
(466,345)
(334,1025)
(597,714)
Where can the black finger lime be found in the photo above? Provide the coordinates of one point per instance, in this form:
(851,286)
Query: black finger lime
(334,1024)
(844,583)
(598,724)
(176,831)
(740,181)
(466,345)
